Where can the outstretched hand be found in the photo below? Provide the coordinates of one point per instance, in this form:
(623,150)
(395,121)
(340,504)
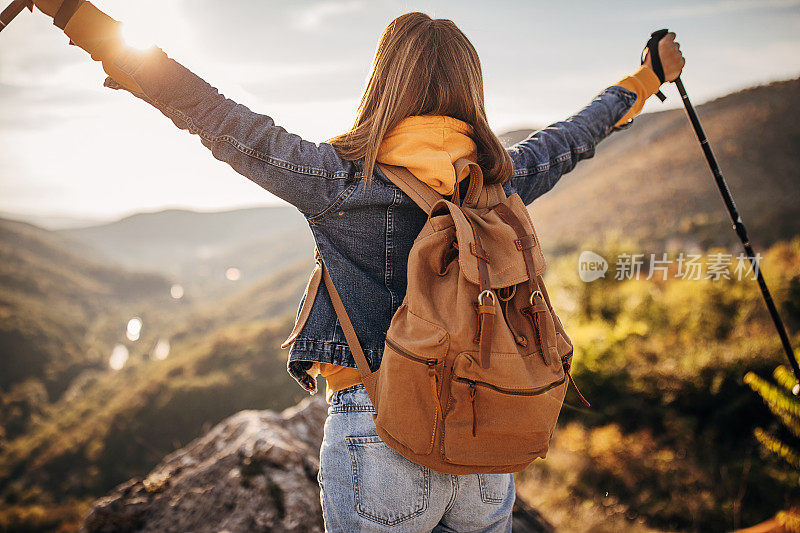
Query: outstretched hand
(672,61)
(48,7)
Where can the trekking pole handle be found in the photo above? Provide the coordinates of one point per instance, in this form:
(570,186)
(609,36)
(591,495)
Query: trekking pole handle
(655,58)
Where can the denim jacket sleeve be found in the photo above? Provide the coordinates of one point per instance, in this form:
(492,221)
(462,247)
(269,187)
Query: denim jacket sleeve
(547,154)
(307,175)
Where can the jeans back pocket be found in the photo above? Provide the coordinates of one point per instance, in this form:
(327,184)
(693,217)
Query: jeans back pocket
(389,488)
(494,487)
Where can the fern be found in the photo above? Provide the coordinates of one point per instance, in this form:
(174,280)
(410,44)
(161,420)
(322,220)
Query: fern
(786,407)
(790,520)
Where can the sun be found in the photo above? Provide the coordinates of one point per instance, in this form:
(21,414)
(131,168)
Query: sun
(146,23)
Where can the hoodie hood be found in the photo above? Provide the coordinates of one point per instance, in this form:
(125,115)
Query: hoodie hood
(428,146)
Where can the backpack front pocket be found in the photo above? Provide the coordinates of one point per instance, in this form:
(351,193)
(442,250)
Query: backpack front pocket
(409,381)
(503,415)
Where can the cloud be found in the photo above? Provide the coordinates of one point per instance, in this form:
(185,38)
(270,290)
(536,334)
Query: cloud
(314,16)
(38,109)
(723,6)
(274,72)
(38,98)
(323,81)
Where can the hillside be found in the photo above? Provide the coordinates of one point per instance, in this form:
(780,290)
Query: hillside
(112,425)
(651,183)
(273,296)
(71,427)
(52,299)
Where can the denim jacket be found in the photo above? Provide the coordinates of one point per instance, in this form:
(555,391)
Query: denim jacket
(363,234)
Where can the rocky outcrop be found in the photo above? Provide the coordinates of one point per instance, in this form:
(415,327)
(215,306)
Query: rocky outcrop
(254,471)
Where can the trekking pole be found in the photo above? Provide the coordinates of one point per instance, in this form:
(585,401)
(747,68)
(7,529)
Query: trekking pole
(736,219)
(14,8)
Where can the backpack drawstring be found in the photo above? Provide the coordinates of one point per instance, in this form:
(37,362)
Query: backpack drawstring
(433,377)
(577,390)
(473,391)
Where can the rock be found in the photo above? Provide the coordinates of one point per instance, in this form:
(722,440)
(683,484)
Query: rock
(254,471)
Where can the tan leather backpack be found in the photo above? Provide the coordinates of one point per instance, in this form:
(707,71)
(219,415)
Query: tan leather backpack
(476,363)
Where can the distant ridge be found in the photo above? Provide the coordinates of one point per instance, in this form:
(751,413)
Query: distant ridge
(649,183)
(195,249)
(53,222)
(512,137)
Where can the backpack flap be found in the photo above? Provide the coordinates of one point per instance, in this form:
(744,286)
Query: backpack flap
(502,247)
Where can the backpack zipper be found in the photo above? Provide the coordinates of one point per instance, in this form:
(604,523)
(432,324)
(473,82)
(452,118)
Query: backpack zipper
(514,392)
(473,393)
(409,355)
(433,375)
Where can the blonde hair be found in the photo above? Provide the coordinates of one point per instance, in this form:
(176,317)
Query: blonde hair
(423,66)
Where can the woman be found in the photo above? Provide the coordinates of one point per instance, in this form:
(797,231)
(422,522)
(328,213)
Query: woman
(423,108)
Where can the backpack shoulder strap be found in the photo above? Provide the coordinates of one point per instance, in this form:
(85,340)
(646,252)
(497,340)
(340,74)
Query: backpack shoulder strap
(479,194)
(308,301)
(422,194)
(319,276)
(347,326)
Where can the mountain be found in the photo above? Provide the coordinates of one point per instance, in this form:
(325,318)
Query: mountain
(274,296)
(651,183)
(53,222)
(110,426)
(122,418)
(196,249)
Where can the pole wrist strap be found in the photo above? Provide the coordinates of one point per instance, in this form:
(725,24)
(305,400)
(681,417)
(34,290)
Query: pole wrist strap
(655,58)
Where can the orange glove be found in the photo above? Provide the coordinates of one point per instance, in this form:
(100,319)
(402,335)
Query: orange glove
(645,84)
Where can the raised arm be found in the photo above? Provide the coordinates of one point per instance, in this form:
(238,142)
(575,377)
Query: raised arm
(307,175)
(547,154)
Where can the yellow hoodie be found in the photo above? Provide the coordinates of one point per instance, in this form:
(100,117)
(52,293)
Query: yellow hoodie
(426,145)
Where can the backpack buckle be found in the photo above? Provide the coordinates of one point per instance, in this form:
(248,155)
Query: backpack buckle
(534,294)
(487,292)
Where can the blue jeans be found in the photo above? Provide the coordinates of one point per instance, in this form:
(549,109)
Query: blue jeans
(367,486)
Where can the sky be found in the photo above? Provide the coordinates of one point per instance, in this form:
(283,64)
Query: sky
(70,147)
